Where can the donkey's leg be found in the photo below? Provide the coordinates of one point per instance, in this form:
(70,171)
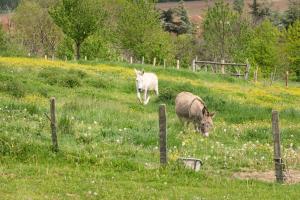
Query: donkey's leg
(139,97)
(156,90)
(146,99)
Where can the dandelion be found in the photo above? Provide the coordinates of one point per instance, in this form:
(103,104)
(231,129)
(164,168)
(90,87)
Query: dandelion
(225,130)
(89,128)
(90,192)
(120,130)
(183,143)
(118,141)
(95,193)
(95,122)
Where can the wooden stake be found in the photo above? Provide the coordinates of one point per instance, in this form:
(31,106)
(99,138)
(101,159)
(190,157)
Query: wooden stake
(85,58)
(154,62)
(178,64)
(277,151)
(143,60)
(53,124)
(163,134)
(46,57)
(164,63)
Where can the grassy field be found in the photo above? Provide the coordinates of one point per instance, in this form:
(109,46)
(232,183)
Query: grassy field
(109,142)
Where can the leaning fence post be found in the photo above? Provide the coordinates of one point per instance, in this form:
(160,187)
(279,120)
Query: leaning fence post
(178,64)
(163,134)
(277,152)
(53,124)
(286,78)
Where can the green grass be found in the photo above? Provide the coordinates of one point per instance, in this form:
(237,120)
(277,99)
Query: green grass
(109,142)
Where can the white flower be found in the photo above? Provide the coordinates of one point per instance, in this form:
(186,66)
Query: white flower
(183,143)
(225,130)
(95,193)
(89,128)
(95,122)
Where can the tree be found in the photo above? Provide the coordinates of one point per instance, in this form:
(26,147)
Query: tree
(218,31)
(238,5)
(176,20)
(293,13)
(78,19)
(140,33)
(260,10)
(35,29)
(293,47)
(264,46)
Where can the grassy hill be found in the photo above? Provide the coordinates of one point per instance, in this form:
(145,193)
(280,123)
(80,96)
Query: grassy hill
(109,142)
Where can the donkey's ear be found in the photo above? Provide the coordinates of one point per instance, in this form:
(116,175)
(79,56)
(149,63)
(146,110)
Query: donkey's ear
(205,111)
(212,114)
(143,72)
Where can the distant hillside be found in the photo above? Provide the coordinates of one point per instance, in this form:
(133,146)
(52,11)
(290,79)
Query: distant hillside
(196,9)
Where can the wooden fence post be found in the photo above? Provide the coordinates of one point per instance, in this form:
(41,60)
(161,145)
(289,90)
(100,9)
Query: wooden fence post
(247,70)
(53,124)
(85,58)
(277,152)
(46,57)
(222,66)
(131,60)
(164,63)
(255,74)
(154,61)
(163,134)
(286,78)
(194,66)
(178,64)
(143,60)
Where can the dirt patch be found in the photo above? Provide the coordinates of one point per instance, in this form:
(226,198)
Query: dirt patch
(292,176)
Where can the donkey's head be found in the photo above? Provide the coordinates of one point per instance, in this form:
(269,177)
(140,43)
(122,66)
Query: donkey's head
(139,80)
(205,122)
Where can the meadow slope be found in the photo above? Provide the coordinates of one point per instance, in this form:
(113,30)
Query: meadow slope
(109,142)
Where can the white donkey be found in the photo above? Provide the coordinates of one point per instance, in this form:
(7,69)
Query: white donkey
(145,82)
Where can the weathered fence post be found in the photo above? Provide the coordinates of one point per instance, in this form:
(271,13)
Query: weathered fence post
(255,74)
(286,78)
(131,60)
(163,134)
(46,57)
(143,60)
(222,66)
(177,64)
(154,61)
(164,63)
(277,152)
(247,70)
(194,65)
(85,58)
(53,124)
